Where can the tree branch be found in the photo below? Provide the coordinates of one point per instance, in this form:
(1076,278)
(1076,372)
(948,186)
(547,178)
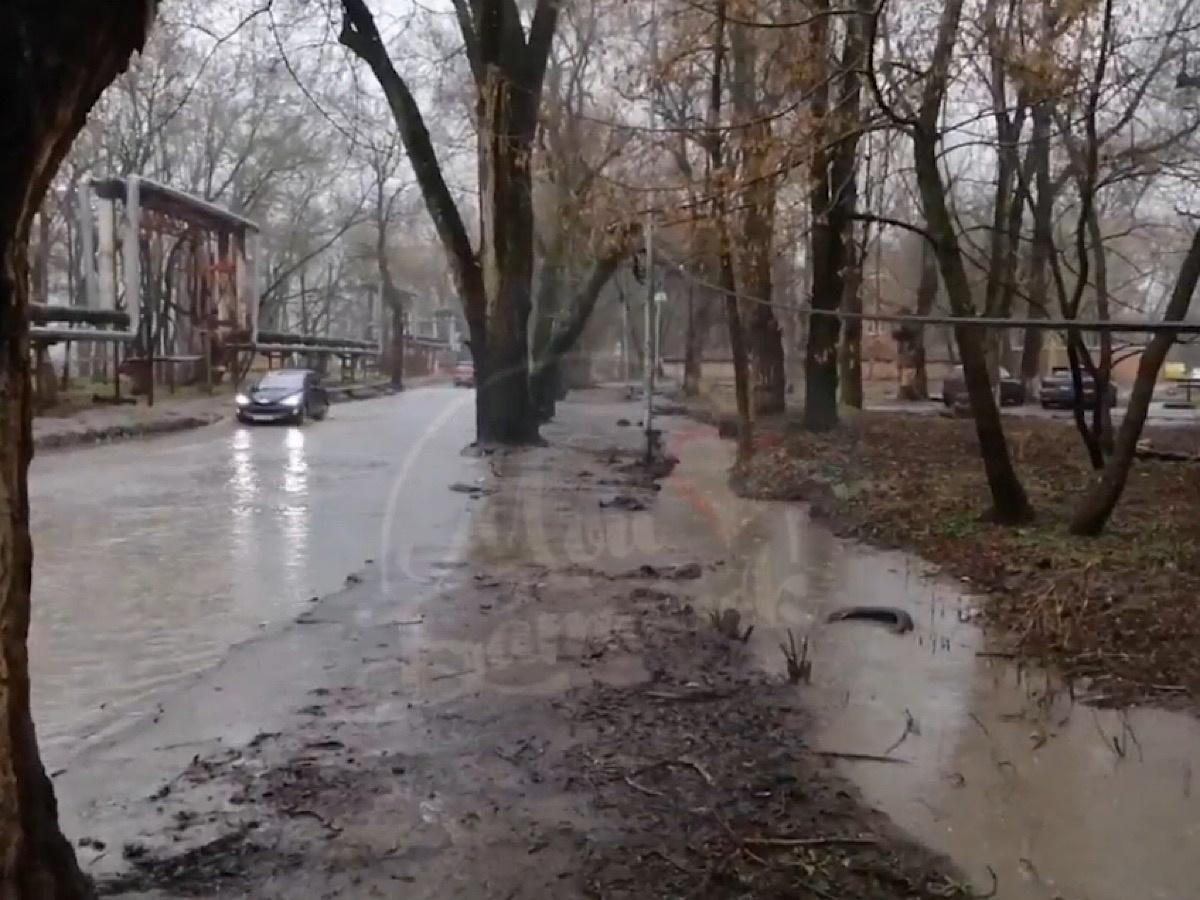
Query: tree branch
(466,24)
(361,37)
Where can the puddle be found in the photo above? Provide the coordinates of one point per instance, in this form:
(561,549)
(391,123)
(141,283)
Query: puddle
(1003,771)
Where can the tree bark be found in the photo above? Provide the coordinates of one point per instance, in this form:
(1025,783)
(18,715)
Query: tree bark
(397,360)
(509,68)
(693,350)
(832,199)
(1042,245)
(54,62)
(827,249)
(1010,505)
(850,352)
(912,354)
(543,376)
(1096,507)
(728,276)
(562,336)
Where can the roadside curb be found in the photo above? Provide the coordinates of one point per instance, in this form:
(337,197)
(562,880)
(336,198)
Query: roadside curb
(125,431)
(114,433)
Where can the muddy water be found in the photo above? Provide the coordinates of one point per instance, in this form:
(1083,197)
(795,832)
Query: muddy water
(153,558)
(996,766)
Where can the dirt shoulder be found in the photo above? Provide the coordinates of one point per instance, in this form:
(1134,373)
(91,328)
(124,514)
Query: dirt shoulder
(1116,614)
(548,716)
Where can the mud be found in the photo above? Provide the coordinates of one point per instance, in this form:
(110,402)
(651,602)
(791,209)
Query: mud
(539,716)
(1004,766)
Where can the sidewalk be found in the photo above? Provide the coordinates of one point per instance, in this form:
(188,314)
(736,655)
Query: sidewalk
(531,709)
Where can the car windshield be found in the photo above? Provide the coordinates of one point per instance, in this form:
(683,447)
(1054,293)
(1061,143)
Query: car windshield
(280,380)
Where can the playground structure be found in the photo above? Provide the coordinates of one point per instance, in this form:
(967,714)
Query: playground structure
(171,283)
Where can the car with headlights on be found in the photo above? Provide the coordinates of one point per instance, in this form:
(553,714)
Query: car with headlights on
(284,395)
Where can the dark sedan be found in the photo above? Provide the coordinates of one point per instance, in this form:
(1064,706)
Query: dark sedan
(954,388)
(285,395)
(1057,390)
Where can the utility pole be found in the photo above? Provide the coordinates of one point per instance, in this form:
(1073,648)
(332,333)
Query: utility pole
(649,341)
(624,339)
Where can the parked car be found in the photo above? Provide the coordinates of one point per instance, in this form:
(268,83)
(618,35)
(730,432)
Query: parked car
(1012,391)
(285,395)
(1057,390)
(464,374)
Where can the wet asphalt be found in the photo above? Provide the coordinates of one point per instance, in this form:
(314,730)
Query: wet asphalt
(153,558)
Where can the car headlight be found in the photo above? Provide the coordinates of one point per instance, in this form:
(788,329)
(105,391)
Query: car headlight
(241,400)
(293,401)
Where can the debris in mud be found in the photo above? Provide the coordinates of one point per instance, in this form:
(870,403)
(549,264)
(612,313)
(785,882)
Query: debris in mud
(212,868)
(682,572)
(1126,619)
(799,666)
(353,578)
(472,490)
(625,502)
(897,620)
(714,794)
(685,572)
(727,623)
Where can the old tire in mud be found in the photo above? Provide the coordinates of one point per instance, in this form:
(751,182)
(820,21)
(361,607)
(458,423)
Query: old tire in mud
(897,620)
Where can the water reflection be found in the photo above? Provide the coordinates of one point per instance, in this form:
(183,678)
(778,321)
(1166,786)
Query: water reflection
(153,558)
(1005,770)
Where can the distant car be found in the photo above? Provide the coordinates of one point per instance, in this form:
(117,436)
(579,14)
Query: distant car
(285,395)
(464,374)
(1012,391)
(1057,390)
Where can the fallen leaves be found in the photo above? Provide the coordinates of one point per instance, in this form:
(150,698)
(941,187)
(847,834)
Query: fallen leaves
(1118,610)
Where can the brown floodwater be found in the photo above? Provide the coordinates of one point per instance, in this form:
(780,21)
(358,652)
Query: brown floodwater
(997,766)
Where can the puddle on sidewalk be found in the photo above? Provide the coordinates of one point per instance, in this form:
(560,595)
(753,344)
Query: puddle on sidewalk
(1002,770)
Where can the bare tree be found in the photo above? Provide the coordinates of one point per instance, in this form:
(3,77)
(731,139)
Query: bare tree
(1010,505)
(508,65)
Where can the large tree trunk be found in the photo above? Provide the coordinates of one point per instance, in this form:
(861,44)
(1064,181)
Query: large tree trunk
(562,331)
(832,197)
(54,62)
(1101,499)
(728,276)
(758,230)
(757,226)
(850,353)
(693,351)
(506,256)
(912,355)
(544,376)
(397,354)
(496,284)
(1042,245)
(827,249)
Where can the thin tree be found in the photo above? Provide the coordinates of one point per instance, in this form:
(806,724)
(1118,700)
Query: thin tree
(1010,505)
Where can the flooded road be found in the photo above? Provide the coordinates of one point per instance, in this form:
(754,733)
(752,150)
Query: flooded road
(997,767)
(153,558)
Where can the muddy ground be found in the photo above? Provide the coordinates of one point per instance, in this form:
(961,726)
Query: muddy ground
(1116,614)
(554,716)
